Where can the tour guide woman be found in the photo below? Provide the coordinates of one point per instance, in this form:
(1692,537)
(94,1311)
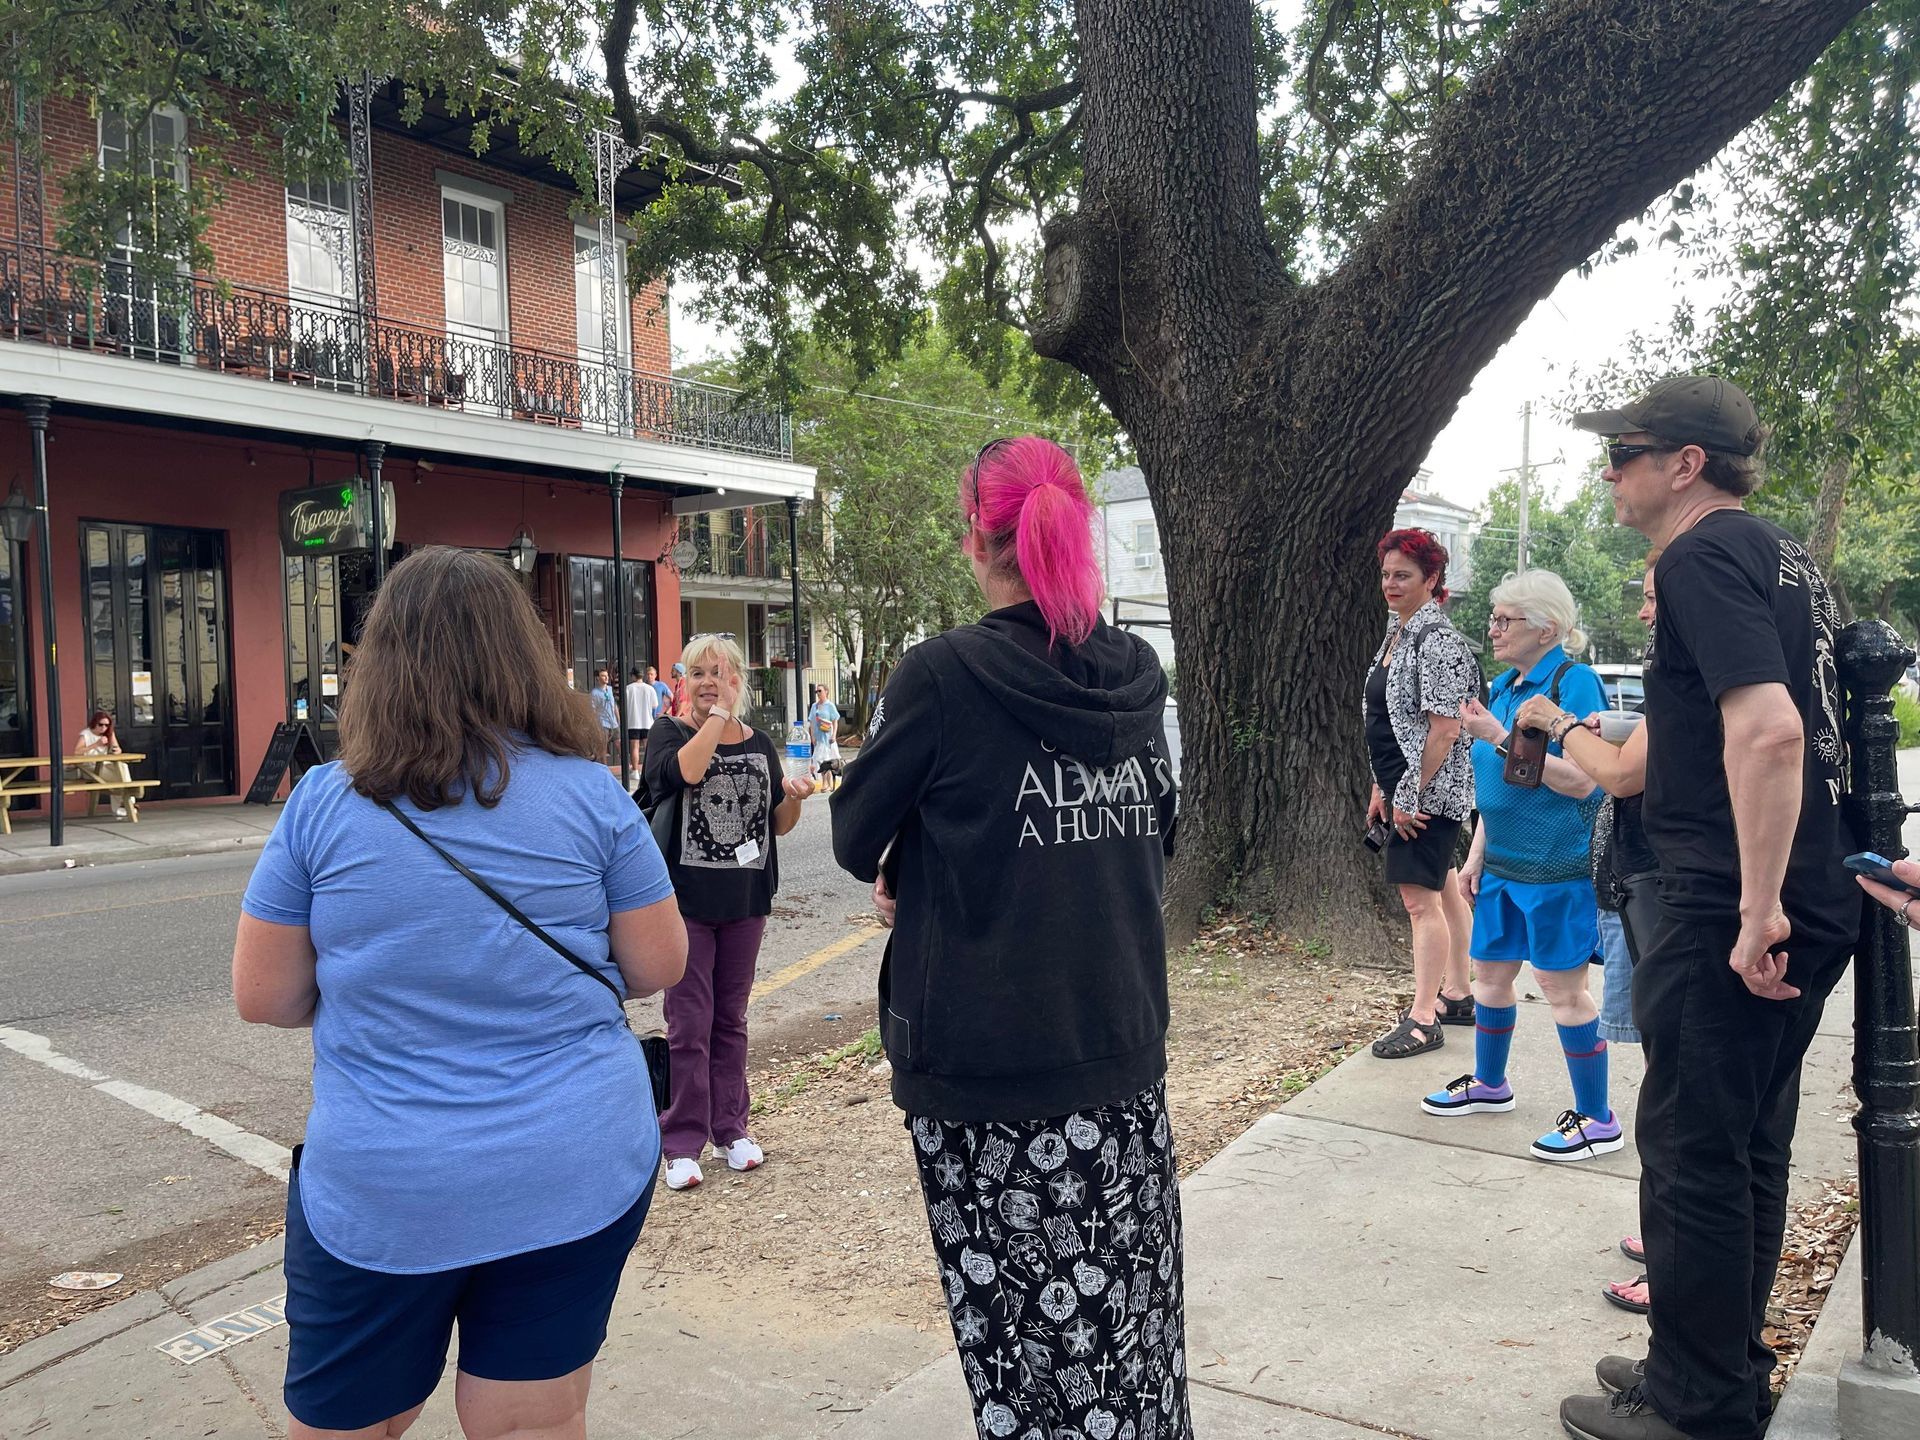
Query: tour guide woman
(1014,799)
(482,1145)
(1421,675)
(731,803)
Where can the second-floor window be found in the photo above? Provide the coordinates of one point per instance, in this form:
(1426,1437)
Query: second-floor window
(473,244)
(154,151)
(320,241)
(1146,544)
(586,296)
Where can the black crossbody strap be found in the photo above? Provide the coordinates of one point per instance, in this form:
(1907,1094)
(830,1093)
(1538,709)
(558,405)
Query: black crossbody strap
(505,904)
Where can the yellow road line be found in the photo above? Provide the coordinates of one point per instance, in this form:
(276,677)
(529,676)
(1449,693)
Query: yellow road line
(781,978)
(104,909)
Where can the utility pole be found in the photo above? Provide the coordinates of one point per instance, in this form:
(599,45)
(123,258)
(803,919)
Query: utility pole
(1526,477)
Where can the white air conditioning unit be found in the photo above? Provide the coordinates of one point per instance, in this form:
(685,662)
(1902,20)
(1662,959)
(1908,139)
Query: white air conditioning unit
(1143,559)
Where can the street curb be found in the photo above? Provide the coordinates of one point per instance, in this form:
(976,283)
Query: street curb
(171,850)
(198,1284)
(82,1334)
(1809,1407)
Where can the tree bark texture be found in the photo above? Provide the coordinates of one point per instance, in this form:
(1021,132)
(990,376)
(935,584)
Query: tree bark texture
(1278,423)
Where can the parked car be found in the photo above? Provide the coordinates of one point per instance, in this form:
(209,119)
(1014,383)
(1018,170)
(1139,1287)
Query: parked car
(1625,687)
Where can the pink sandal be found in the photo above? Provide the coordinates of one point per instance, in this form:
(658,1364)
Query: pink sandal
(1631,1295)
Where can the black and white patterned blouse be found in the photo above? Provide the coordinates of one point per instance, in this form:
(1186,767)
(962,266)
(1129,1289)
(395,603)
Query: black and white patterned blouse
(1446,676)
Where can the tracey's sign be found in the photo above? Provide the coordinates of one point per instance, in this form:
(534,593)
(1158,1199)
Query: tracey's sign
(329,520)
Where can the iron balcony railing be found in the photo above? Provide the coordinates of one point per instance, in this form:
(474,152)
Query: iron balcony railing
(758,553)
(184,319)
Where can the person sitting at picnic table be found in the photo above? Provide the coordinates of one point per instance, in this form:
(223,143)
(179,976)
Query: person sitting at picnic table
(99,738)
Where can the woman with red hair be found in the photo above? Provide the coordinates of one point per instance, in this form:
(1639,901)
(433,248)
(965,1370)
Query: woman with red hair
(1420,677)
(1013,806)
(100,738)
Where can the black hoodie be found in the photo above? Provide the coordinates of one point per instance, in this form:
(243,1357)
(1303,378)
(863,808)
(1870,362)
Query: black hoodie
(1026,793)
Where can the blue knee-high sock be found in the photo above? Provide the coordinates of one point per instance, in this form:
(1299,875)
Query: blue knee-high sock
(1492,1042)
(1587,1067)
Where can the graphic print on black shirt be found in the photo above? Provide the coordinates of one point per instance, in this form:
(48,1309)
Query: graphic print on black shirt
(1742,603)
(725,811)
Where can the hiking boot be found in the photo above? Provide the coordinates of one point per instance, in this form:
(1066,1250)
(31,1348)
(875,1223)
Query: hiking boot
(1616,1373)
(1626,1416)
(1467,1096)
(1579,1137)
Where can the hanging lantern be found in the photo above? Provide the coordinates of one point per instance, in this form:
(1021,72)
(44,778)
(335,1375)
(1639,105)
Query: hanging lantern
(522,552)
(16,516)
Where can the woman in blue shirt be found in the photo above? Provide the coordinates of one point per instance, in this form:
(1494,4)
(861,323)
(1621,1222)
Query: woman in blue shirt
(482,1144)
(1528,874)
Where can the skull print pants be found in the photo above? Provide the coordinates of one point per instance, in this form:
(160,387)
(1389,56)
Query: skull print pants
(1059,1250)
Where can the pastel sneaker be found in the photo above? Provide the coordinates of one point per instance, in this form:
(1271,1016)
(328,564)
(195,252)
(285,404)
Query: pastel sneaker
(683,1174)
(1579,1137)
(742,1154)
(1467,1096)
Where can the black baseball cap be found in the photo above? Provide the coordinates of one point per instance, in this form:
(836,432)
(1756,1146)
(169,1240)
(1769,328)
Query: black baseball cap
(1703,410)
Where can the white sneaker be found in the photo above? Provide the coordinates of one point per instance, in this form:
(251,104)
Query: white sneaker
(119,812)
(743,1154)
(683,1174)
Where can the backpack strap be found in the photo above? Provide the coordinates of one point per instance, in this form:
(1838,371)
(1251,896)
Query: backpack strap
(1553,690)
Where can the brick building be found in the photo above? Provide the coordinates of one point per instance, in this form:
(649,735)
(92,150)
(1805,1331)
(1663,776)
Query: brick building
(433,321)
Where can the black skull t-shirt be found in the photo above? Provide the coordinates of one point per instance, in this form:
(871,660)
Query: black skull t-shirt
(1742,603)
(722,858)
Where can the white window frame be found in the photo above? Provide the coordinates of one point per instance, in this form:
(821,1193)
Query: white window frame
(332,310)
(124,253)
(482,198)
(593,355)
(1146,556)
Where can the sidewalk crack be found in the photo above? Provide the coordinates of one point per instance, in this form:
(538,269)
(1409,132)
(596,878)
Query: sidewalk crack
(1305,1409)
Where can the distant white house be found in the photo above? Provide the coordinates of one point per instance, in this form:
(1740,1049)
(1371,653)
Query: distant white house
(1127,538)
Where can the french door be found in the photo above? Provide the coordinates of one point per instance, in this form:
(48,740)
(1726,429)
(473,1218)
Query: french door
(157,652)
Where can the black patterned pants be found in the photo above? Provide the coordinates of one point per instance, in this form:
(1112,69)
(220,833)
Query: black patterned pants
(1059,1248)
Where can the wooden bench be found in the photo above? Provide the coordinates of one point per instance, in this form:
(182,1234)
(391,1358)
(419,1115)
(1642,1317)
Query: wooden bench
(17,777)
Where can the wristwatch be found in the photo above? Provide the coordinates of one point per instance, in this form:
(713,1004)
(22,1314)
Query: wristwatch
(723,714)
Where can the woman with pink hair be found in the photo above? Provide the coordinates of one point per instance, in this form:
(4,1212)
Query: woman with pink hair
(1013,806)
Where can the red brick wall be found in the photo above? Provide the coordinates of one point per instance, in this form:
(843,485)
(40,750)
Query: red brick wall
(248,235)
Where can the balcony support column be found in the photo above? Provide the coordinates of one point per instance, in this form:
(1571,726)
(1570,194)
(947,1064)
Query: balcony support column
(29,182)
(360,158)
(376,452)
(793,644)
(611,156)
(616,483)
(39,408)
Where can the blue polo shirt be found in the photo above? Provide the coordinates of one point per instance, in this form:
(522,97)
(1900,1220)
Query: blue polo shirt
(1536,836)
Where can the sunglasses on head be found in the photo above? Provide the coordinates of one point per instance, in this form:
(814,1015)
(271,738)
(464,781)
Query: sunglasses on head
(973,470)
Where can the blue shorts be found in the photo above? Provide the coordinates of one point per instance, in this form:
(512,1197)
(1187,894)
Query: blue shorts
(1616,1001)
(364,1346)
(1551,927)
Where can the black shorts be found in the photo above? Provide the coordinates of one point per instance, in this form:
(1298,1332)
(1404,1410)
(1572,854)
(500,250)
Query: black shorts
(636,734)
(1424,860)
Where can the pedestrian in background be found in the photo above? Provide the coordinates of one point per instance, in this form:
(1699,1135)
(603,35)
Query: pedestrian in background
(1420,677)
(643,708)
(676,697)
(482,1145)
(823,725)
(663,692)
(606,709)
(1016,784)
(1746,767)
(732,803)
(1529,873)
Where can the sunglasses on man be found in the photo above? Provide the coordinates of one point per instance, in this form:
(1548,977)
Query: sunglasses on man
(1619,455)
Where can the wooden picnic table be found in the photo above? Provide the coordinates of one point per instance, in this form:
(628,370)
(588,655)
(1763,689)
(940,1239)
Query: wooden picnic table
(17,778)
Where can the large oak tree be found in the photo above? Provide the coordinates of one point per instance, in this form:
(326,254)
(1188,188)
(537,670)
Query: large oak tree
(1279,261)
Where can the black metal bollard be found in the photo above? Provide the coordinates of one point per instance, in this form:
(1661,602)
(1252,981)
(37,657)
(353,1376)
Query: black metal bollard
(1886,1064)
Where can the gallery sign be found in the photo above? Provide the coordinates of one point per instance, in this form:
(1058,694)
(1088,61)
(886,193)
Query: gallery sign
(331,519)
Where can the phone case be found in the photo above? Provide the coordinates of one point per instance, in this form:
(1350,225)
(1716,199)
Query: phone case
(1526,758)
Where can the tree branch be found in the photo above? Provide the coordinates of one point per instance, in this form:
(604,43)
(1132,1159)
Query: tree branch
(1591,112)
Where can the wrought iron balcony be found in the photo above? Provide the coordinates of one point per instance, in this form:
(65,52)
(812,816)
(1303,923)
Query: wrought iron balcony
(283,339)
(757,553)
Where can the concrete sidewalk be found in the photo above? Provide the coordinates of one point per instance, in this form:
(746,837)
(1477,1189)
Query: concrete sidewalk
(1354,1268)
(163,831)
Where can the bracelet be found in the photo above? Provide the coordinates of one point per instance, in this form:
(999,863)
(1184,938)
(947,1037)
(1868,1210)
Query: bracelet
(723,714)
(1557,732)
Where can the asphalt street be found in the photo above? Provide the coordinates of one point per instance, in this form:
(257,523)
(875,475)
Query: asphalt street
(120,974)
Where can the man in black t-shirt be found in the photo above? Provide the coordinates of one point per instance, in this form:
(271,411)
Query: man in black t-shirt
(1746,766)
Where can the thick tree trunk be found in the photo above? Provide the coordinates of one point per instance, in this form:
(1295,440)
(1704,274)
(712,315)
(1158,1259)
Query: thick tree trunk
(1278,424)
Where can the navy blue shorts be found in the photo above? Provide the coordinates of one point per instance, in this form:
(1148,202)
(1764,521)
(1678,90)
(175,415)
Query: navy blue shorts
(364,1346)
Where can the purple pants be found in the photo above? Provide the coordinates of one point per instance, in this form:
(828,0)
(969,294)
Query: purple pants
(707,1036)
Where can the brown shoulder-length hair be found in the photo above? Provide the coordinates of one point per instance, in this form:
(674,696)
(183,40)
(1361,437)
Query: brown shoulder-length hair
(453,668)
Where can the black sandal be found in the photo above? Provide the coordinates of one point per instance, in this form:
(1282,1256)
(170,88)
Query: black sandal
(1454,1012)
(1403,1040)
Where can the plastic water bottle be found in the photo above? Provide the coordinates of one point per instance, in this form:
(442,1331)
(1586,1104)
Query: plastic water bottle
(300,709)
(799,753)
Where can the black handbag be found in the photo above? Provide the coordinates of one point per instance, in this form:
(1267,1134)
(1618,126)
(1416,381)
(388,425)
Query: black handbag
(652,1047)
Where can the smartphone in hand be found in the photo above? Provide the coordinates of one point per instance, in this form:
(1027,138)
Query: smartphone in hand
(1526,758)
(1878,867)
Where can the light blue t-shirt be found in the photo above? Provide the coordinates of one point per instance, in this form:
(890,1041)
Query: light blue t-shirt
(823,710)
(1536,836)
(474,1095)
(606,707)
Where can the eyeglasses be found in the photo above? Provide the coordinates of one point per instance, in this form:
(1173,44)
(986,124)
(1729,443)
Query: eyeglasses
(1619,455)
(1498,624)
(973,470)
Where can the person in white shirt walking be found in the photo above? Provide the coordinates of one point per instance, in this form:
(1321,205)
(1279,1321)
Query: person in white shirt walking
(643,708)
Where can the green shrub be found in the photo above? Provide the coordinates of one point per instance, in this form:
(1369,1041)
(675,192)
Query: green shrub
(1907,711)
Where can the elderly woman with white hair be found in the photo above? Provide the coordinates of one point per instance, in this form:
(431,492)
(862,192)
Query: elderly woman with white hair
(1528,872)
(730,802)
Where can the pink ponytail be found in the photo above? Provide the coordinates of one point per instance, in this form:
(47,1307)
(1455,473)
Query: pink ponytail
(1033,507)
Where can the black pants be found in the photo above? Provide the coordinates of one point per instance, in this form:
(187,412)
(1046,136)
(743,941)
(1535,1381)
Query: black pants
(1715,1131)
(1059,1246)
